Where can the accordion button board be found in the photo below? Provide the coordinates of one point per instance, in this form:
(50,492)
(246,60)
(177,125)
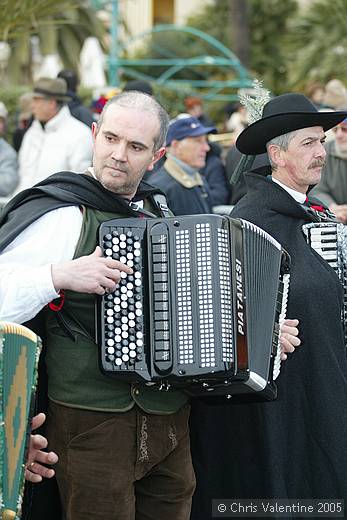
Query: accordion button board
(123,308)
(202,309)
(329,240)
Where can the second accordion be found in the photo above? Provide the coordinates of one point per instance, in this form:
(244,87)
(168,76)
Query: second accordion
(202,309)
(329,239)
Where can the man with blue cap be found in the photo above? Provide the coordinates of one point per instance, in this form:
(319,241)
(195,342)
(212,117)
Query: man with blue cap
(186,190)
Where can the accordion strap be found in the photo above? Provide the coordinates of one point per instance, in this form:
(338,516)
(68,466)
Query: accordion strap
(161,203)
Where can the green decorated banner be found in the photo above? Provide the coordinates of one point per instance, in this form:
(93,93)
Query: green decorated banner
(19,353)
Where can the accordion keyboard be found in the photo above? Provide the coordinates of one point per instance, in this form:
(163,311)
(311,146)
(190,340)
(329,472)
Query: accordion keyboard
(123,316)
(329,240)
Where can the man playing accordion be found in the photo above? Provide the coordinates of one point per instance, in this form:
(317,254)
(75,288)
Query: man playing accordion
(291,448)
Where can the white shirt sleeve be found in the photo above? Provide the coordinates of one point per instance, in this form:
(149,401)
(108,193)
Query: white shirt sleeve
(26,284)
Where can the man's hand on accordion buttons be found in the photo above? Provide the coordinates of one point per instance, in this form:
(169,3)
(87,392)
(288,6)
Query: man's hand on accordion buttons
(289,337)
(35,468)
(89,274)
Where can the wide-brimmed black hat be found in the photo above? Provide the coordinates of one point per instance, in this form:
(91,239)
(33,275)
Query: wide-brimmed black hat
(281,115)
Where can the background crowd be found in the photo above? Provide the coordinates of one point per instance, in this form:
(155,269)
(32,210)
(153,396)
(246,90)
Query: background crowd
(53,133)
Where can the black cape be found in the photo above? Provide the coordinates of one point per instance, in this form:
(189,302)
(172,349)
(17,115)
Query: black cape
(294,447)
(41,501)
(60,190)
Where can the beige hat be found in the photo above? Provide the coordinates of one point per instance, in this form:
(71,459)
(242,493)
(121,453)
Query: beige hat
(3,110)
(51,88)
(335,95)
(24,104)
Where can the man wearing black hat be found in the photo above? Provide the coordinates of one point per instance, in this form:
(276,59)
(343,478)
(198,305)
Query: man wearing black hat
(55,141)
(187,191)
(293,447)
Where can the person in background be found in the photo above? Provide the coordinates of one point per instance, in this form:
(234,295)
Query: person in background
(195,108)
(332,188)
(55,141)
(315,92)
(8,161)
(215,176)
(76,107)
(335,95)
(139,85)
(186,189)
(25,118)
(238,120)
(98,104)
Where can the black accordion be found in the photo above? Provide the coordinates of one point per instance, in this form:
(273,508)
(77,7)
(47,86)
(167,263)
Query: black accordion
(201,310)
(329,239)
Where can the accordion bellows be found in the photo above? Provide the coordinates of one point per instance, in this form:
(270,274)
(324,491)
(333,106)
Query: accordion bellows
(203,307)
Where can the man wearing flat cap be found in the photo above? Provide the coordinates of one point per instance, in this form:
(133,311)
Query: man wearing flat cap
(294,447)
(187,191)
(55,141)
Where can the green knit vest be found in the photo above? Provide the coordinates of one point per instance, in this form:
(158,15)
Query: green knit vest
(74,377)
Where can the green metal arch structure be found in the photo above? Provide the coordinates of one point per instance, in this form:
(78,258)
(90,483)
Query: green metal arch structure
(235,75)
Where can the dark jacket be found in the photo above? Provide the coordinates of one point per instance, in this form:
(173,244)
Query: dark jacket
(214,173)
(184,198)
(79,111)
(295,446)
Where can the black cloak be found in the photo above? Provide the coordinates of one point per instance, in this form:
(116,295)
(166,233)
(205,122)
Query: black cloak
(60,190)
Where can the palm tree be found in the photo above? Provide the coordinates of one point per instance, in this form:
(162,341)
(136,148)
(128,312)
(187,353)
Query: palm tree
(18,16)
(61,27)
(257,32)
(320,43)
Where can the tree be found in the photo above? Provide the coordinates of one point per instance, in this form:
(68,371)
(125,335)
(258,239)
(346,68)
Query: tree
(320,43)
(18,16)
(61,26)
(269,28)
(239,15)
